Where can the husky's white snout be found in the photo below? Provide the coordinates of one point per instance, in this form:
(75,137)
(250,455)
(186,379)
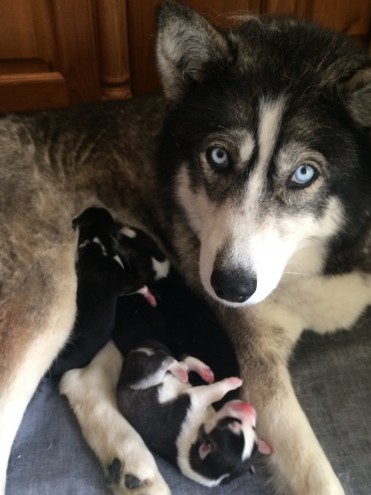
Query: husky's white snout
(247,269)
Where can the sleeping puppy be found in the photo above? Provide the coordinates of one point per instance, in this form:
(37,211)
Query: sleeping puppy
(207,445)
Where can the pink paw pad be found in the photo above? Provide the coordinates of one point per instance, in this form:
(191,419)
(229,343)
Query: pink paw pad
(207,375)
(182,375)
(178,370)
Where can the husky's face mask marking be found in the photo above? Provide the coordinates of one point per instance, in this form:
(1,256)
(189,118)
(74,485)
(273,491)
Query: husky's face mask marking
(256,197)
(259,156)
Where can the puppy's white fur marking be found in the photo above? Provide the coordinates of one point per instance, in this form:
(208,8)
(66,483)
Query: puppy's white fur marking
(118,260)
(91,394)
(161,268)
(128,232)
(155,378)
(96,240)
(171,389)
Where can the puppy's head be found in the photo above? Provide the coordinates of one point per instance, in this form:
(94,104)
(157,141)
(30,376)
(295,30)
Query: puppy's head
(103,265)
(227,444)
(265,148)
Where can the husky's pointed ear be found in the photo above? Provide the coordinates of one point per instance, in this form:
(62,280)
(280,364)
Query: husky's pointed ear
(356,93)
(186,43)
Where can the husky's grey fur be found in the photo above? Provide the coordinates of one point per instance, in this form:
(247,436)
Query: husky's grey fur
(258,187)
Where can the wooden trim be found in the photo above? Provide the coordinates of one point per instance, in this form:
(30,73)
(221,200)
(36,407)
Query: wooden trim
(23,66)
(32,91)
(42,21)
(113,47)
(76,53)
(144,77)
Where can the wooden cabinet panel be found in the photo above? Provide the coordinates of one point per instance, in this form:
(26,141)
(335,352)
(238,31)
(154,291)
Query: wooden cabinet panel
(76,48)
(143,73)
(59,52)
(26,30)
(28,84)
(32,91)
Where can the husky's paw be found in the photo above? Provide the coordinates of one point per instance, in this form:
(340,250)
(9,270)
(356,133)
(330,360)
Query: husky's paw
(314,475)
(145,481)
(327,487)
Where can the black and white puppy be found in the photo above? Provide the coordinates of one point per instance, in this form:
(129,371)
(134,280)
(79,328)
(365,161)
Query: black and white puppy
(209,446)
(104,273)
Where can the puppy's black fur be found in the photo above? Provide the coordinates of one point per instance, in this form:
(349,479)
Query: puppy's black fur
(103,276)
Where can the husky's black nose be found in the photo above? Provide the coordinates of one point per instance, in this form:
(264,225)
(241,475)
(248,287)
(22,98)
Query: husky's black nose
(233,285)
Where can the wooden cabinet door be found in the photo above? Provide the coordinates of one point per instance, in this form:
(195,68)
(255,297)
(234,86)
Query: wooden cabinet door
(350,17)
(27,49)
(55,53)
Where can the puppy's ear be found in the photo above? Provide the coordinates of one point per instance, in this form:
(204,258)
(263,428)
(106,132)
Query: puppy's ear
(186,44)
(356,93)
(204,450)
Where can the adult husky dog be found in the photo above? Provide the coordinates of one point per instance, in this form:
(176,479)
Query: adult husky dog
(257,185)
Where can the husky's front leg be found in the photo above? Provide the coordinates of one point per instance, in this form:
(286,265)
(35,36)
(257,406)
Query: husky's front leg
(123,454)
(298,463)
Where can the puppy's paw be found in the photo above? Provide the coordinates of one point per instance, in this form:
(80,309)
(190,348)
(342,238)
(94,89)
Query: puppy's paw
(199,367)
(146,480)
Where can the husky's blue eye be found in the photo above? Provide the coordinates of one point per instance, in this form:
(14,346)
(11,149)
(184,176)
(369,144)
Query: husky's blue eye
(303,176)
(217,157)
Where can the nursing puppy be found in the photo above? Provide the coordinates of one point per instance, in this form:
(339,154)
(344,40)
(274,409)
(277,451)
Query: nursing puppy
(105,272)
(208,446)
(252,172)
